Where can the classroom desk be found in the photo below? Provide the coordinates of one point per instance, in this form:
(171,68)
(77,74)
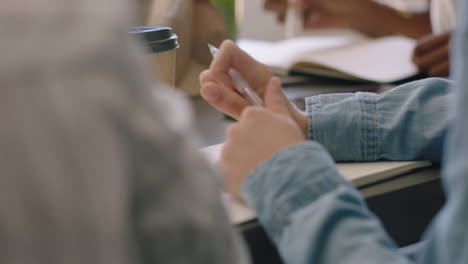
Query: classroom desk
(405,212)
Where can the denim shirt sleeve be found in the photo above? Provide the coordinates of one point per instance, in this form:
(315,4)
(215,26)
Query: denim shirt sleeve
(448,236)
(315,216)
(406,123)
(312,213)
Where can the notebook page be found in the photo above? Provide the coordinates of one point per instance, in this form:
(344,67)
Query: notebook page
(283,54)
(382,60)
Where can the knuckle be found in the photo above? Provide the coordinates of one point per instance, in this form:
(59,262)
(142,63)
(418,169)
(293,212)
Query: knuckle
(228,45)
(232,131)
(205,76)
(236,104)
(252,112)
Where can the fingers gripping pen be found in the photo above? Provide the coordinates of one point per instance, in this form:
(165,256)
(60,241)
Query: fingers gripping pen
(240,83)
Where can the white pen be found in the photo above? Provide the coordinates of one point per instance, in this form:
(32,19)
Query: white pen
(294,23)
(240,83)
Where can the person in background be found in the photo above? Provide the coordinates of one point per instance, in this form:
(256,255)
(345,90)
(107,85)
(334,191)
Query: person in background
(282,163)
(96,167)
(432,28)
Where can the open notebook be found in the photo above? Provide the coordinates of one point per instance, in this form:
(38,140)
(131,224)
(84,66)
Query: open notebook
(359,173)
(343,56)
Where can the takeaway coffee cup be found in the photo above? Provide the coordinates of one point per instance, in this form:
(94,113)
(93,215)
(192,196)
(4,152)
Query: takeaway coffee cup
(161,44)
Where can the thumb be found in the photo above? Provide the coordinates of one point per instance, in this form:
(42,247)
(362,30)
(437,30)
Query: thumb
(274,97)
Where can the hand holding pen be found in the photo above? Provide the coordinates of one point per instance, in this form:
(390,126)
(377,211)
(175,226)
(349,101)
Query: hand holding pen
(219,90)
(241,85)
(218,87)
(259,132)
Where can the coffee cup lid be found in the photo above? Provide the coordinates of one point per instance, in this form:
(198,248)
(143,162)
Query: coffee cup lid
(157,39)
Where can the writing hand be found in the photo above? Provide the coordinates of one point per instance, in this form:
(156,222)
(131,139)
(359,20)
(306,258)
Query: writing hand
(218,89)
(257,136)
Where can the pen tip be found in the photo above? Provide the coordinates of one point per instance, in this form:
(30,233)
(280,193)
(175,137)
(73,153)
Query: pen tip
(212,48)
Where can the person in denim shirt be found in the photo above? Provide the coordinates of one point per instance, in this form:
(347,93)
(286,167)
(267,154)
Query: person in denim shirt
(309,210)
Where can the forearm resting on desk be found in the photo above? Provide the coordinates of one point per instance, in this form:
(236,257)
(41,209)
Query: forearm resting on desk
(307,208)
(406,123)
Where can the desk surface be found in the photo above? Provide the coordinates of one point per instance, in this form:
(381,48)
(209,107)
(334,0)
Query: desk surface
(371,178)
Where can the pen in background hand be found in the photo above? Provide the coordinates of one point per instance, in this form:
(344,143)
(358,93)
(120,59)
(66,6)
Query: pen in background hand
(294,23)
(240,83)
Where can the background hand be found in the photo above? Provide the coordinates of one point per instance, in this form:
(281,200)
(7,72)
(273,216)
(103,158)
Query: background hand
(431,55)
(327,13)
(278,7)
(260,133)
(366,16)
(217,86)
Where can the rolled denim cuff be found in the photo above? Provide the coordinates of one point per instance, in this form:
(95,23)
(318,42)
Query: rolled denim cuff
(348,135)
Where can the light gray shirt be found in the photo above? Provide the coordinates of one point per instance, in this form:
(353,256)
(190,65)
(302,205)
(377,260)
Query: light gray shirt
(94,166)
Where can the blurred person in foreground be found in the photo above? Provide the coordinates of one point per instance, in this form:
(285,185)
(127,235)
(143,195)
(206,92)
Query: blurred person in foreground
(95,166)
(432,28)
(281,162)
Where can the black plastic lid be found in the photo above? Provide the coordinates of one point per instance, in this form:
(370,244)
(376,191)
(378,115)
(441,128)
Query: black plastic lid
(157,39)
